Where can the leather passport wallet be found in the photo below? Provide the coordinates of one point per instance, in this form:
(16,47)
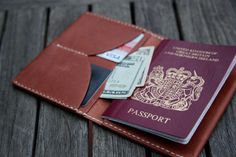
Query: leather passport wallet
(68,72)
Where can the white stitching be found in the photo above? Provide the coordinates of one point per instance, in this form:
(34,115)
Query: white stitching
(71,50)
(132,135)
(95,119)
(126,24)
(43,95)
(114,21)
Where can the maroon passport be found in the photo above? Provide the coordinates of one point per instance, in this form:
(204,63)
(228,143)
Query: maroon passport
(183,81)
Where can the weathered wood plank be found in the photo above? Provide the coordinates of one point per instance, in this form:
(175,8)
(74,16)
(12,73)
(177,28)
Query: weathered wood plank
(2,22)
(157,16)
(17,109)
(116,10)
(207,21)
(62,17)
(6,4)
(233,3)
(61,133)
(106,143)
(42,3)
(213,21)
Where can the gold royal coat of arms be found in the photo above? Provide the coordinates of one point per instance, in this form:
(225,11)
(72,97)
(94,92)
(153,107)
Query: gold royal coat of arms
(173,90)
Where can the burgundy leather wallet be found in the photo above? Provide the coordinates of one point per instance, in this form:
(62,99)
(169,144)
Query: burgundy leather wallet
(61,74)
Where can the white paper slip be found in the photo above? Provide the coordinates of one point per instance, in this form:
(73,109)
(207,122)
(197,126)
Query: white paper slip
(118,54)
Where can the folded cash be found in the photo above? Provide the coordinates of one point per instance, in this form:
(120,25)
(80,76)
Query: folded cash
(122,81)
(128,74)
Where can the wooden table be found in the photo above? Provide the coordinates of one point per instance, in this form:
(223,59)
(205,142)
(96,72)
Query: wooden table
(32,127)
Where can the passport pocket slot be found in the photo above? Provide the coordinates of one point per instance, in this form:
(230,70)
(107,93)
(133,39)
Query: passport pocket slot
(57,75)
(93,34)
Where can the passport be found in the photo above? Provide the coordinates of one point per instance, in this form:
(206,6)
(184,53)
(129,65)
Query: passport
(183,81)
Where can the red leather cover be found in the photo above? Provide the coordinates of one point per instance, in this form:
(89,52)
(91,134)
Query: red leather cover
(61,74)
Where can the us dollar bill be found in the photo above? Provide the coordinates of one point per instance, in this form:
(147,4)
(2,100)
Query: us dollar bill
(123,80)
(146,53)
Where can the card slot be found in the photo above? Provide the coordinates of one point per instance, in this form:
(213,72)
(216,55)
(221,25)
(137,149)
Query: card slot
(58,75)
(98,77)
(93,35)
(92,104)
(101,84)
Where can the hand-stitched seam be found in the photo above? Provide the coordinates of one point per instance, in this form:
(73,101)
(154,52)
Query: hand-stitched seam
(126,24)
(71,50)
(44,95)
(132,135)
(95,119)
(114,21)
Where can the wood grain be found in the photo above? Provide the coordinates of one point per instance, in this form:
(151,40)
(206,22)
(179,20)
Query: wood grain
(157,16)
(60,133)
(22,4)
(2,23)
(213,21)
(18,109)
